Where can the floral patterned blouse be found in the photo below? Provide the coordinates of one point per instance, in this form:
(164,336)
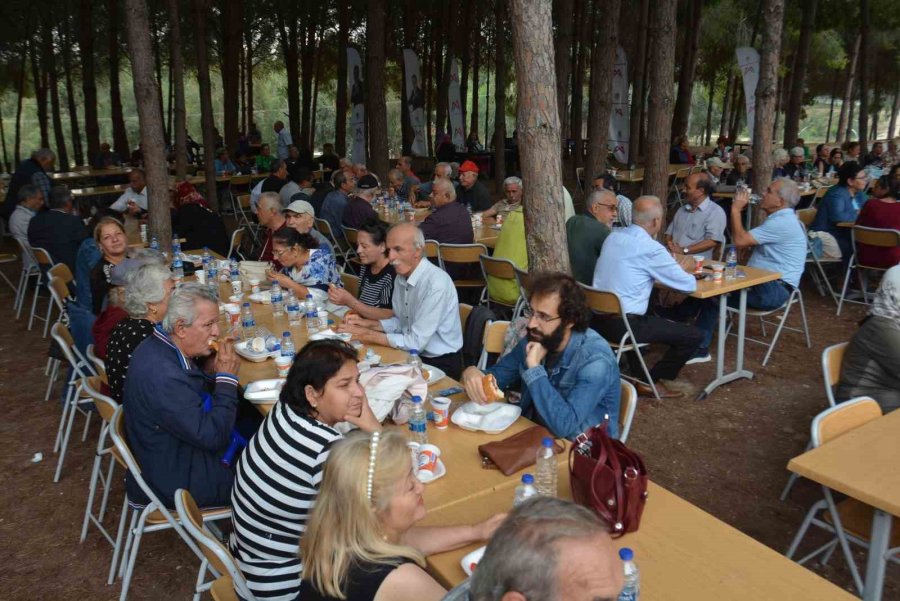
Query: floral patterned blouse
(320,271)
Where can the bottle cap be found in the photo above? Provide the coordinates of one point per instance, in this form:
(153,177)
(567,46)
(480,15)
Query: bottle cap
(246,304)
(286,335)
(626,554)
(547,442)
(417,399)
(527,479)
(413,351)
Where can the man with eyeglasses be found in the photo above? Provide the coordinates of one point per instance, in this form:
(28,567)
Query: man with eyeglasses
(568,375)
(587,231)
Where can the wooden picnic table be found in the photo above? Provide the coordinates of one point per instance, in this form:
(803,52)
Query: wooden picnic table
(635,176)
(65,176)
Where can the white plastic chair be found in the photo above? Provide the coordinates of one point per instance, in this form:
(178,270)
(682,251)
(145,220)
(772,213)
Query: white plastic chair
(30,270)
(884,238)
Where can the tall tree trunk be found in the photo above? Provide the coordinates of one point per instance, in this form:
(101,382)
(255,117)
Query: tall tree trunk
(20,97)
(242,86)
(637,87)
(59,135)
(779,102)
(466,40)
(317,67)
(170,106)
(476,84)
(405,41)
(565,20)
(201,13)
(659,111)
(88,79)
(340,113)
(539,137)
(834,89)
(248,35)
(146,93)
(603,59)
(177,68)
(895,108)
(376,15)
(773,20)
(307,65)
(443,78)
(726,107)
(864,76)
(682,115)
(584,46)
(232,35)
(120,135)
(711,87)
(157,53)
(847,101)
(287,29)
(801,65)
(428,84)
(77,147)
(737,108)
(7,168)
(40,96)
(500,68)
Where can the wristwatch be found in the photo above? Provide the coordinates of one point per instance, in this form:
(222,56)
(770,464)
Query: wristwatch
(686,250)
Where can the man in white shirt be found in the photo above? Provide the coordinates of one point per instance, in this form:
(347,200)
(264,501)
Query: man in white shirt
(282,141)
(425,304)
(31,198)
(631,262)
(134,199)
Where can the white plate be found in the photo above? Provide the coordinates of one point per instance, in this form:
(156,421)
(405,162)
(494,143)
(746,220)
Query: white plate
(264,297)
(472,558)
(439,472)
(264,391)
(493,423)
(241,349)
(195,259)
(434,374)
(332,335)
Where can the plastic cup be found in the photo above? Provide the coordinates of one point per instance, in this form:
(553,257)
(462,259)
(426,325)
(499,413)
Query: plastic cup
(200,274)
(234,314)
(426,460)
(698,263)
(283,365)
(237,287)
(718,272)
(440,406)
(254,286)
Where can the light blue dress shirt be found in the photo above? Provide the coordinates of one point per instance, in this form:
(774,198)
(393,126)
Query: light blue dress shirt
(284,140)
(782,246)
(426,312)
(690,226)
(629,264)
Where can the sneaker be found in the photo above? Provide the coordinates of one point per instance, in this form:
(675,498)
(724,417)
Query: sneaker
(701,356)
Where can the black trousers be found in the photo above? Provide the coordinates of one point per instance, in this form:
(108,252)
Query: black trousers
(451,363)
(683,341)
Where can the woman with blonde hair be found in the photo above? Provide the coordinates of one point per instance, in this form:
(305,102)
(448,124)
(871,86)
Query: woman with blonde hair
(109,233)
(361,542)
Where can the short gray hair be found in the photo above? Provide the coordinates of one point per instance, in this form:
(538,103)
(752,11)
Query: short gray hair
(445,167)
(780,154)
(646,216)
(395,174)
(447,186)
(43,154)
(512,179)
(60,196)
(144,285)
(183,305)
(523,553)
(597,195)
(270,201)
(788,191)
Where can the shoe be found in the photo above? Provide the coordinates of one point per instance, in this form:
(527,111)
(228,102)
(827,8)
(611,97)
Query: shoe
(664,393)
(701,356)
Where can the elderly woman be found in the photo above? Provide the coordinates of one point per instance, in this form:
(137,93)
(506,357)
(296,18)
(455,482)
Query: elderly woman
(680,152)
(193,220)
(109,234)
(279,473)
(780,158)
(376,275)
(148,287)
(307,268)
(370,482)
(870,362)
(842,204)
(741,172)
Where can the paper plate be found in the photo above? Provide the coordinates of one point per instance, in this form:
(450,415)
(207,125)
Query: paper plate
(434,374)
(439,472)
(493,423)
(264,391)
(244,351)
(470,561)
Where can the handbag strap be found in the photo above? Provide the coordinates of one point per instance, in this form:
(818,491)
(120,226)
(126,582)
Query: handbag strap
(607,455)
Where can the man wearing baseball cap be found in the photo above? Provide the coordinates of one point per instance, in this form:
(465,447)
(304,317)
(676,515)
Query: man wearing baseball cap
(359,207)
(714,168)
(300,216)
(472,192)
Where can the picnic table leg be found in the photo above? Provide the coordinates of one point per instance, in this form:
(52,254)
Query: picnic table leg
(878,546)
(739,371)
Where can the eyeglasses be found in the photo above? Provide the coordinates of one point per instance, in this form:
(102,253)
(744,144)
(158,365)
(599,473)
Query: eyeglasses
(613,208)
(538,315)
(279,253)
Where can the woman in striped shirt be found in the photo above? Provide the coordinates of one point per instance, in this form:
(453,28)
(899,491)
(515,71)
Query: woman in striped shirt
(278,474)
(376,276)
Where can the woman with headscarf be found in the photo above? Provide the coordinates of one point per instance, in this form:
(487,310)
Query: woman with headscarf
(871,361)
(193,220)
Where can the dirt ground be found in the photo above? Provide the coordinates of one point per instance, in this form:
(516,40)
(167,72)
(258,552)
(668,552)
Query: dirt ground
(726,454)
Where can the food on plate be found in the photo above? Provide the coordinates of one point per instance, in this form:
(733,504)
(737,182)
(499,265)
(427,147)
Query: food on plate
(426,374)
(491,391)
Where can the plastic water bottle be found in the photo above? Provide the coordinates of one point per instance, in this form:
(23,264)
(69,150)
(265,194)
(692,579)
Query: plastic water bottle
(418,420)
(235,270)
(632,589)
(525,490)
(731,264)
(277,299)
(248,322)
(177,267)
(287,345)
(176,247)
(312,315)
(154,243)
(206,257)
(414,359)
(545,468)
(292,308)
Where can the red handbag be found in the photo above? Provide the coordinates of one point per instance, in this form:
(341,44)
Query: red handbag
(608,477)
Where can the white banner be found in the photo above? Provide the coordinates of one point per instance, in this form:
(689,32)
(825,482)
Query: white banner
(456,117)
(748,63)
(415,101)
(357,106)
(619,131)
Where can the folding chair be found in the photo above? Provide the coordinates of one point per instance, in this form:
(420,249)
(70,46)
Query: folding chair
(464,311)
(351,283)
(237,238)
(608,303)
(795,297)
(832,358)
(628,400)
(218,557)
(43,259)
(820,278)
(152,517)
(30,270)
(680,175)
(6,258)
(872,236)
(492,341)
(524,281)
(820,192)
(97,362)
(59,277)
(501,269)
(850,520)
(464,254)
(340,249)
(237,185)
(431,252)
(350,234)
(243,212)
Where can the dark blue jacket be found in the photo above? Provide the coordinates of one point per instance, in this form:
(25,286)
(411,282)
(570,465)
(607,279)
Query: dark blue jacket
(177,442)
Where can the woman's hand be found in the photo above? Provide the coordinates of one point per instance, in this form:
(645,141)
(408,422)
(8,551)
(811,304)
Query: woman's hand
(485,530)
(277,277)
(367,422)
(340,296)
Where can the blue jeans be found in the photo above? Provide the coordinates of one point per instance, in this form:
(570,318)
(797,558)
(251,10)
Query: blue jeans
(766,297)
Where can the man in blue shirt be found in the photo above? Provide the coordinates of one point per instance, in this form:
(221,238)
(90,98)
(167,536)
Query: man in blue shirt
(283,140)
(568,373)
(334,204)
(842,203)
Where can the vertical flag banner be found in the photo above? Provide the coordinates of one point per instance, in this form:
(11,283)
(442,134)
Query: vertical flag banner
(415,100)
(619,130)
(456,118)
(357,106)
(748,63)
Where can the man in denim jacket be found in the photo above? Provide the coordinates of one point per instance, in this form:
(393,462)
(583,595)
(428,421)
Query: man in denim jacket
(568,373)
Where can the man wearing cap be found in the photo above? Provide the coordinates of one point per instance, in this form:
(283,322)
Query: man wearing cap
(797,165)
(472,192)
(359,207)
(301,216)
(714,169)
(699,226)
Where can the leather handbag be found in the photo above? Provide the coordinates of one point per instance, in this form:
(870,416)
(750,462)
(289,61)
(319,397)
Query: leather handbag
(608,477)
(517,451)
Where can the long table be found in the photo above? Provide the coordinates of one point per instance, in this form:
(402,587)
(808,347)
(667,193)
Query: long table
(682,552)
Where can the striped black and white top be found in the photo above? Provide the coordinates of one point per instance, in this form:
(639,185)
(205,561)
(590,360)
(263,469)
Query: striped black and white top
(376,290)
(276,484)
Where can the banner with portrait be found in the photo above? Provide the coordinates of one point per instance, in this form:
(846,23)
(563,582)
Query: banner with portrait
(619,130)
(415,101)
(356,85)
(457,134)
(748,63)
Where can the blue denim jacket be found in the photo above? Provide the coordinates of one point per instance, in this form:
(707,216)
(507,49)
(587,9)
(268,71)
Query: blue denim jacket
(579,391)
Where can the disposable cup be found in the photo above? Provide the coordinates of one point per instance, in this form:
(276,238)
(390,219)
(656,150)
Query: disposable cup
(283,365)
(201,276)
(254,286)
(698,263)
(440,406)
(718,272)
(427,458)
(237,287)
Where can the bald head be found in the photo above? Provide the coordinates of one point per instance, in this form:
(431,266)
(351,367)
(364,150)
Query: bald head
(647,212)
